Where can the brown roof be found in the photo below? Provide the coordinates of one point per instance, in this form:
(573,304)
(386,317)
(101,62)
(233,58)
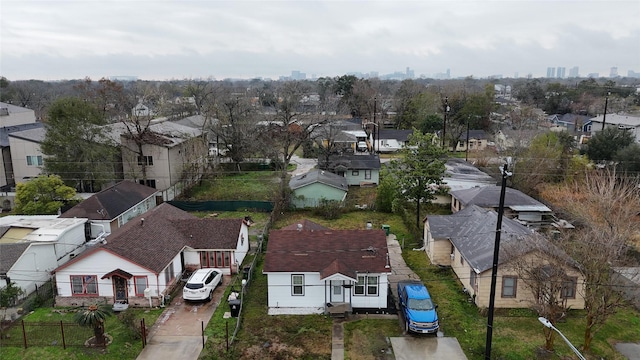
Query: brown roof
(110,203)
(154,238)
(316,251)
(307,225)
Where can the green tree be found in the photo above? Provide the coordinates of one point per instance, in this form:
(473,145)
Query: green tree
(44,195)
(77,146)
(605,144)
(387,191)
(431,124)
(94,317)
(628,159)
(420,169)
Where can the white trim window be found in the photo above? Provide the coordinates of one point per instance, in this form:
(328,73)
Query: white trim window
(367,285)
(34,160)
(297,285)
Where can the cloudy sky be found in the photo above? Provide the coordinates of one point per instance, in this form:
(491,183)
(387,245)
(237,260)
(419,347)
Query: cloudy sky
(52,39)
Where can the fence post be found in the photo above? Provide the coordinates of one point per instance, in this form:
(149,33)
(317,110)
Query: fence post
(202,325)
(64,345)
(24,335)
(143,329)
(226,323)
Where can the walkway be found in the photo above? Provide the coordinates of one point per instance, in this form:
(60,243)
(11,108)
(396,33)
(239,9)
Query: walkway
(177,334)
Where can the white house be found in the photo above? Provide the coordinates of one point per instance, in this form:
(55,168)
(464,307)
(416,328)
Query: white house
(310,271)
(32,246)
(142,261)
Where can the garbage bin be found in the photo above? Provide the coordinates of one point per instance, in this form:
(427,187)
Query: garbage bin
(386,228)
(234,306)
(245,272)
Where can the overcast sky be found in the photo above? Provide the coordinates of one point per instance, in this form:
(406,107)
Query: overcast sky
(51,39)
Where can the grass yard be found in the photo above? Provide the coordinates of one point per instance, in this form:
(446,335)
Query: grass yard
(124,345)
(367,339)
(253,185)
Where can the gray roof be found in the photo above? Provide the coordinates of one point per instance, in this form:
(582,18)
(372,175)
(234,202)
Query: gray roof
(350,162)
(474,134)
(13,108)
(320,176)
(460,174)
(472,231)
(10,253)
(6,130)
(34,135)
(489,196)
(400,135)
(618,119)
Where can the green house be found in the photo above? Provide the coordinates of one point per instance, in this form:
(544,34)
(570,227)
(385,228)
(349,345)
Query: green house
(311,188)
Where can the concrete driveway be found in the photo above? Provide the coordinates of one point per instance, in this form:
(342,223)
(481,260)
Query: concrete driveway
(177,334)
(439,348)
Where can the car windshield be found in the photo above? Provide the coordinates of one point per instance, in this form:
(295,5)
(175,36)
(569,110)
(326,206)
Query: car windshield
(194,286)
(420,304)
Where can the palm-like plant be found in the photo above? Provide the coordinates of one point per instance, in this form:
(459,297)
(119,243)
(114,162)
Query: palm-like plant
(94,316)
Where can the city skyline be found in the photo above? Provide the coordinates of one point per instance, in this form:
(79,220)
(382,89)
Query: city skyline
(161,40)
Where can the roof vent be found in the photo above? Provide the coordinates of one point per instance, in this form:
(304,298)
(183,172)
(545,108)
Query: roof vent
(142,222)
(369,225)
(299,227)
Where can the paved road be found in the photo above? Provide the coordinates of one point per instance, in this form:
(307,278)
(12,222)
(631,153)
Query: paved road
(302,165)
(177,334)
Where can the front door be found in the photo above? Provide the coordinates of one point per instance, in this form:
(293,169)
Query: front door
(120,285)
(337,291)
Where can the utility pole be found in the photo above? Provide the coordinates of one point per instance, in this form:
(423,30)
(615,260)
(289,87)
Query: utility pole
(444,122)
(466,156)
(376,127)
(606,102)
(494,270)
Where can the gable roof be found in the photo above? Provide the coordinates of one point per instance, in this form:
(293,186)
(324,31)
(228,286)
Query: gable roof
(474,134)
(400,135)
(111,202)
(350,162)
(154,238)
(472,231)
(36,135)
(489,196)
(359,251)
(6,130)
(318,176)
(617,119)
(306,225)
(10,253)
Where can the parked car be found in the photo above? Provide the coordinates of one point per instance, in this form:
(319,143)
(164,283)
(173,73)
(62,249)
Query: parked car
(417,307)
(201,284)
(362,146)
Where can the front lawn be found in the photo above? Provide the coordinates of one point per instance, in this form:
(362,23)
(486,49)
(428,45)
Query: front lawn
(253,185)
(124,345)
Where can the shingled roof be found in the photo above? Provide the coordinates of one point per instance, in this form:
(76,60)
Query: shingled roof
(318,176)
(110,203)
(10,253)
(327,252)
(489,196)
(153,239)
(472,231)
(350,162)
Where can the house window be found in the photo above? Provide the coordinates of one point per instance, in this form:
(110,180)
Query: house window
(367,174)
(509,284)
(473,281)
(297,285)
(569,288)
(84,284)
(355,173)
(145,160)
(34,160)
(218,259)
(169,274)
(366,286)
(140,284)
(148,182)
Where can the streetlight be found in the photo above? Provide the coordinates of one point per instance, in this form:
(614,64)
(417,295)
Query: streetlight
(496,253)
(444,122)
(548,324)
(606,102)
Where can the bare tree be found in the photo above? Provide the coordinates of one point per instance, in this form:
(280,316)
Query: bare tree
(236,126)
(546,272)
(606,208)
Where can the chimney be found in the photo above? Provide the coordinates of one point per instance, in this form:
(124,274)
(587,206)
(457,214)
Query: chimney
(142,222)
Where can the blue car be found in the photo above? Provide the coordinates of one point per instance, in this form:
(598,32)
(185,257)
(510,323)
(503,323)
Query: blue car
(419,311)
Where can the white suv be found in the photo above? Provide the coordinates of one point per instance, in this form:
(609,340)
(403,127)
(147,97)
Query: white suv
(201,284)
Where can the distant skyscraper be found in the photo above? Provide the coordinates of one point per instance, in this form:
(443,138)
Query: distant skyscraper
(410,73)
(614,72)
(551,72)
(574,72)
(561,72)
(297,75)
